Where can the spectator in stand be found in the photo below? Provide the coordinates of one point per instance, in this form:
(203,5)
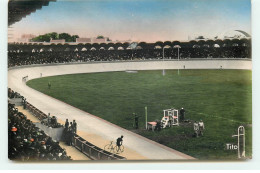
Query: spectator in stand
(53,121)
(28,58)
(24,103)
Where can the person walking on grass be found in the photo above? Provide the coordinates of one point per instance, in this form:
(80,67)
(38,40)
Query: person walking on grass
(196,129)
(201,127)
(49,85)
(136,120)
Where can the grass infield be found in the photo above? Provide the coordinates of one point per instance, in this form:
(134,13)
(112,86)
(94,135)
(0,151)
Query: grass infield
(221,98)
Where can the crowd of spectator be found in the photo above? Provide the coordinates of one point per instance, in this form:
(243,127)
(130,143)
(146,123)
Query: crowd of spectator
(12,94)
(50,57)
(28,143)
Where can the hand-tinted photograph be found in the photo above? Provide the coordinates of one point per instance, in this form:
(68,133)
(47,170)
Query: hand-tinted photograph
(129,80)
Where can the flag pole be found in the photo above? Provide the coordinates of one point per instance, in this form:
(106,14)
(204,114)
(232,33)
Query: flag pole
(145,117)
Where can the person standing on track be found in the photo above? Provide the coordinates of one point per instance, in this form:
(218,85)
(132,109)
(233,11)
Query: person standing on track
(74,127)
(67,124)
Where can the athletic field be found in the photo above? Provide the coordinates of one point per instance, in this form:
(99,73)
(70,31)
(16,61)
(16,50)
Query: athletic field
(221,98)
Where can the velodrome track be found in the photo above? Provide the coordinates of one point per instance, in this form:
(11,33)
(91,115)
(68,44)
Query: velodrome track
(94,125)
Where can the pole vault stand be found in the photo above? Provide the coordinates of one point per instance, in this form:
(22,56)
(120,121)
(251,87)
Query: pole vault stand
(170,118)
(240,132)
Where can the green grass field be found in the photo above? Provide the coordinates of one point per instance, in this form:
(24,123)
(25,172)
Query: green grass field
(221,98)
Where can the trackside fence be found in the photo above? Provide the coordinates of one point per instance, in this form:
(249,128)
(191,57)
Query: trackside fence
(36,112)
(90,150)
(93,151)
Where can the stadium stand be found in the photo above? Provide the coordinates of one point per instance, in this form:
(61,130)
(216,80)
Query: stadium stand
(18,9)
(12,94)
(29,143)
(28,54)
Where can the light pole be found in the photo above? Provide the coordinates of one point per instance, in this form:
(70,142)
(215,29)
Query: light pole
(163,52)
(178,47)
(164,48)
(163,59)
(145,108)
(178,53)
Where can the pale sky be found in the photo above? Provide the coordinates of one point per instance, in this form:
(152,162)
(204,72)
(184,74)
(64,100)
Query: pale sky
(138,20)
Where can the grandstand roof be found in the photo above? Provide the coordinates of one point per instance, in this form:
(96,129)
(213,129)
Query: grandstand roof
(18,9)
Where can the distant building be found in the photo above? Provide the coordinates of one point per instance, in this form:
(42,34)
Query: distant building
(93,40)
(100,40)
(122,41)
(26,38)
(83,40)
(57,41)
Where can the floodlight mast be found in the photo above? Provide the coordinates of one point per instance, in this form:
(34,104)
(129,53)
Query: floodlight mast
(178,53)
(178,58)
(146,117)
(163,52)
(163,60)
(178,47)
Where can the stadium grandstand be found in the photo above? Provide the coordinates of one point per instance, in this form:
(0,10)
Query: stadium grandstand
(18,9)
(37,53)
(26,142)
